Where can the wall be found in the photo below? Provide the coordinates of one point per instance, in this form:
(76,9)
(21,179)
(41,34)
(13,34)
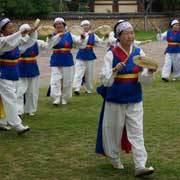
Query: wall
(138,23)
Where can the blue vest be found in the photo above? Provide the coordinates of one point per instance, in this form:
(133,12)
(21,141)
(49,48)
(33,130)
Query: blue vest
(173,39)
(9,65)
(87,53)
(62,55)
(126,88)
(28,66)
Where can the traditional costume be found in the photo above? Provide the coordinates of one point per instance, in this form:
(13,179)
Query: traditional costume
(172,52)
(122,107)
(28,84)
(62,66)
(9,74)
(84,66)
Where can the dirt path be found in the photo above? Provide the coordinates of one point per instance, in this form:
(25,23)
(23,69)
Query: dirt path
(153,49)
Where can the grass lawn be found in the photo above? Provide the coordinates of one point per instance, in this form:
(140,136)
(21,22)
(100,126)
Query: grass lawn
(61,143)
(145,35)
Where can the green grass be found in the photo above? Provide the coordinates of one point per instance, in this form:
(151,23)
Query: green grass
(145,35)
(61,143)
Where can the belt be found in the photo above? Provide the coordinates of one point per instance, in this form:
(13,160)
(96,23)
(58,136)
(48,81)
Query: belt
(62,50)
(126,77)
(173,44)
(27,59)
(9,62)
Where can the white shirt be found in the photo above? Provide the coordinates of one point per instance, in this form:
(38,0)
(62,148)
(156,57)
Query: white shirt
(8,43)
(161,36)
(31,39)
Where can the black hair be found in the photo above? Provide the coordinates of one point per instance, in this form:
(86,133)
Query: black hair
(4,26)
(170,26)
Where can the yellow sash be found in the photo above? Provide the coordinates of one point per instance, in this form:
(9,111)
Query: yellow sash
(2,112)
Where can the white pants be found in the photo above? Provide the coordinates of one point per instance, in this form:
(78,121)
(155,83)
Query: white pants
(115,117)
(61,82)
(83,68)
(29,87)
(171,59)
(9,99)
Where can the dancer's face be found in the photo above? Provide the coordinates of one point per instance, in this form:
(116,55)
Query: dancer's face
(127,37)
(175,27)
(8,29)
(59,27)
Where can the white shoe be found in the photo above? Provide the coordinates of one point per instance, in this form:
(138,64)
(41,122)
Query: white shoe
(116,163)
(56,101)
(88,92)
(64,102)
(118,166)
(20,129)
(143,172)
(31,114)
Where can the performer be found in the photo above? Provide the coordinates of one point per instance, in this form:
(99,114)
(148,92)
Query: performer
(84,66)
(28,84)
(123,105)
(62,63)
(172,53)
(9,73)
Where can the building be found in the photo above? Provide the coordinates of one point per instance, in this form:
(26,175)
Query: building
(102,6)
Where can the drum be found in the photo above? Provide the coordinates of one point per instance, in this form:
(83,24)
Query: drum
(145,62)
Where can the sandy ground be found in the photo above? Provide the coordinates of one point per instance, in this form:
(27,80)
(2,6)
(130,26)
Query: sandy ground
(153,49)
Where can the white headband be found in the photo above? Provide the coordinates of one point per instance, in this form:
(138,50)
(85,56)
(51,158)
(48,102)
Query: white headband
(58,19)
(85,22)
(122,26)
(4,22)
(121,20)
(175,21)
(24,27)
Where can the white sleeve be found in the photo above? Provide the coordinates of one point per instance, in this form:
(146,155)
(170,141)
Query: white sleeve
(10,42)
(51,42)
(42,45)
(76,39)
(112,39)
(106,73)
(146,76)
(162,36)
(100,41)
(27,41)
(81,43)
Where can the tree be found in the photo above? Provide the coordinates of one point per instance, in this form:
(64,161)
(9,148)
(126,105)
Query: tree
(147,4)
(22,8)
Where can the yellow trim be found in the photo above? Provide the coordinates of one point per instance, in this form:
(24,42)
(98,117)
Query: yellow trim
(63,49)
(127,75)
(8,60)
(2,111)
(173,43)
(28,58)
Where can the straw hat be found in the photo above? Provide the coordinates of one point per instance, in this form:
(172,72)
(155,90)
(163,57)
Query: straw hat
(105,29)
(46,30)
(145,62)
(76,30)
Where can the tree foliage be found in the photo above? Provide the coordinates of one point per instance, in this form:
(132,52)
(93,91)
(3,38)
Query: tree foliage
(22,8)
